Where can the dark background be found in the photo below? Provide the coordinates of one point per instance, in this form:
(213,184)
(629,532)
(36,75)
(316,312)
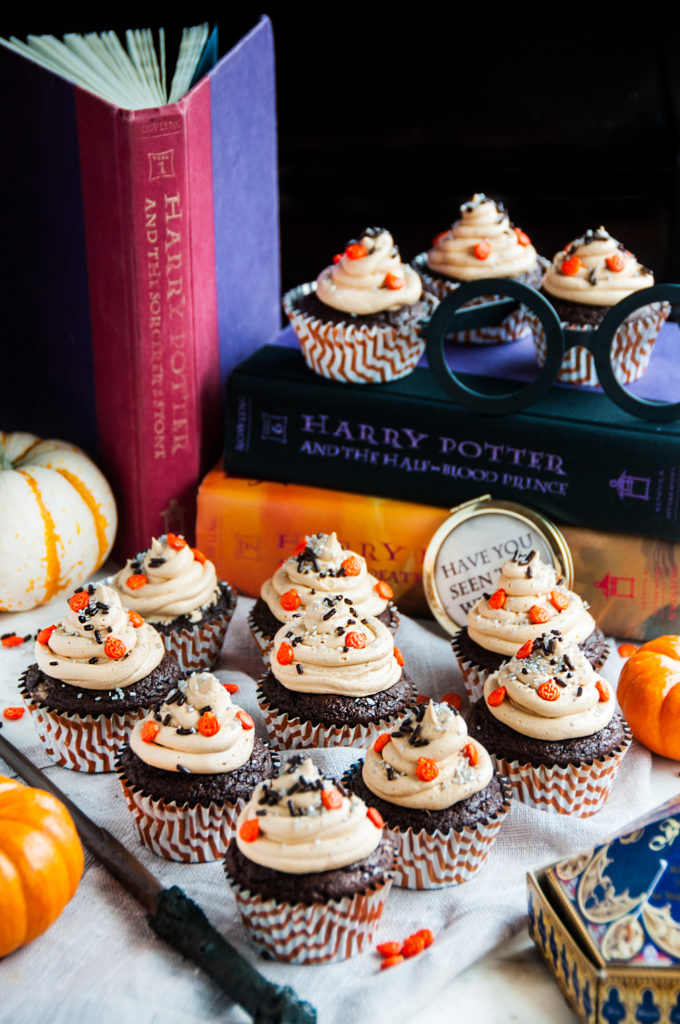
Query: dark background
(394,119)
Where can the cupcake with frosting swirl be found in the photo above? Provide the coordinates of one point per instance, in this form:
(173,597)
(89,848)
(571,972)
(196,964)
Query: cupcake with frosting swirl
(481,244)
(97,672)
(584,282)
(310,867)
(189,768)
(319,566)
(551,721)
(175,588)
(360,320)
(438,793)
(335,677)
(529,598)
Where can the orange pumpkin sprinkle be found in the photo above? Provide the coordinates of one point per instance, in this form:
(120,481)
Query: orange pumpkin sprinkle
(472,754)
(351,566)
(393,281)
(427,769)
(355,640)
(230,687)
(285,654)
(498,599)
(539,615)
(627,650)
(13,714)
(245,719)
(249,830)
(375,817)
(114,648)
(45,634)
(549,690)
(603,690)
(559,600)
(525,650)
(399,657)
(496,697)
(136,619)
(454,699)
(208,724)
(331,799)
(290,601)
(149,731)
(137,580)
(382,741)
(176,541)
(199,556)
(384,590)
(12,641)
(80,600)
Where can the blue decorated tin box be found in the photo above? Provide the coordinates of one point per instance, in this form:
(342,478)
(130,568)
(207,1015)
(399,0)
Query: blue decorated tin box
(607,922)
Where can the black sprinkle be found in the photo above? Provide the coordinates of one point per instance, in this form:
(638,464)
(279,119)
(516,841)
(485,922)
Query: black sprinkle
(98,636)
(299,669)
(579,691)
(54,663)
(181,768)
(185,731)
(329,614)
(92,661)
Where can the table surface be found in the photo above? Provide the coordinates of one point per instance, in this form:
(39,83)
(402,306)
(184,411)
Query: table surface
(509,982)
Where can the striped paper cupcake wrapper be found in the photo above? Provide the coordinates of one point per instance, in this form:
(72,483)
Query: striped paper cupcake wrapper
(509,330)
(474,679)
(199,648)
(265,643)
(631,350)
(192,834)
(355,353)
(432,860)
(88,743)
(320,933)
(579,789)
(288,732)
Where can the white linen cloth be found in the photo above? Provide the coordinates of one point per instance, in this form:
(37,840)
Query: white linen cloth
(101,961)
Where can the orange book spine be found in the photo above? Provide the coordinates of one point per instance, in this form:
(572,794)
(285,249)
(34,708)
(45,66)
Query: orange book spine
(248,526)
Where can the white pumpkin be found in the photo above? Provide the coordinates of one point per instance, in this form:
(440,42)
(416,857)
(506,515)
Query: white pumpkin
(57,519)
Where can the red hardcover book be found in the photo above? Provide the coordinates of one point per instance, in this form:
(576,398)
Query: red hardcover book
(158,234)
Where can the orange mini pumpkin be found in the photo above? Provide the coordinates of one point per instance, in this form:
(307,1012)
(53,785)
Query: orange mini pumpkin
(41,862)
(649,695)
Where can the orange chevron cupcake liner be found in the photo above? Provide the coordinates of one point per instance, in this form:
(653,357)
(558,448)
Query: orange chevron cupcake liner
(579,789)
(89,743)
(631,350)
(286,732)
(354,353)
(199,649)
(182,832)
(318,933)
(433,860)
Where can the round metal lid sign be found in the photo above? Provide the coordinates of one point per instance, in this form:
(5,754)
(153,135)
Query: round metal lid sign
(464,558)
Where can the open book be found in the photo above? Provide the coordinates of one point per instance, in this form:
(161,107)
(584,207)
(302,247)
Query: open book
(134,78)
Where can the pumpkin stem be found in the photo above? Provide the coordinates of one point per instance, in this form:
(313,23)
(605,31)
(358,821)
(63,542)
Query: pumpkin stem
(4,461)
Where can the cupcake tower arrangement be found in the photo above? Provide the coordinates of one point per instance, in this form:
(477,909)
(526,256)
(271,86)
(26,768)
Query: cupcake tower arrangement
(361,320)
(310,859)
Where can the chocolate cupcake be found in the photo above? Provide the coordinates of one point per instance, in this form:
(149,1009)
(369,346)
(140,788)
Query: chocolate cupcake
(310,868)
(361,320)
(335,678)
(482,244)
(438,794)
(585,280)
(175,588)
(528,600)
(551,722)
(319,565)
(97,672)
(189,769)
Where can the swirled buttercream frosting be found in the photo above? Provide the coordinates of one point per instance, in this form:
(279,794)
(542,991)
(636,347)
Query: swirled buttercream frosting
(301,822)
(553,693)
(369,277)
(331,649)
(320,565)
(429,761)
(482,243)
(96,645)
(197,729)
(528,600)
(596,270)
(168,580)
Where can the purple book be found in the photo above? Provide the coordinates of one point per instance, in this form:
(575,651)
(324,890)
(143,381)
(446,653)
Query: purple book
(141,256)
